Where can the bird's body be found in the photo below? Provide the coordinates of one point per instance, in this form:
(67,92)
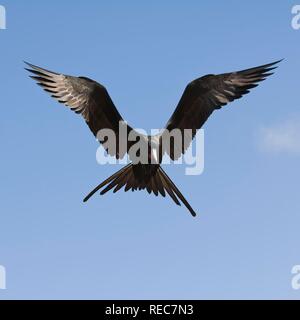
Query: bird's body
(200,98)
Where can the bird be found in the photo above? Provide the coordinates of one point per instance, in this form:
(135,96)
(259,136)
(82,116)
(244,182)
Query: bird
(199,100)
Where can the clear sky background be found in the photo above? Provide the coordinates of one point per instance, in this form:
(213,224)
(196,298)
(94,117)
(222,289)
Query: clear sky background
(245,240)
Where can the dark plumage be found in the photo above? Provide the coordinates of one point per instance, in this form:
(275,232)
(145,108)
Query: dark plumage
(200,98)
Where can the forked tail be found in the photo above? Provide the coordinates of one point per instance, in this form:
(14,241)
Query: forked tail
(140,177)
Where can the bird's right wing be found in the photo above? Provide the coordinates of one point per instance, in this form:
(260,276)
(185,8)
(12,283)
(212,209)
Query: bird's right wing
(204,95)
(88,98)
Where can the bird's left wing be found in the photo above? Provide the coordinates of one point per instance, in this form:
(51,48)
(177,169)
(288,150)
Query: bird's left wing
(88,98)
(204,95)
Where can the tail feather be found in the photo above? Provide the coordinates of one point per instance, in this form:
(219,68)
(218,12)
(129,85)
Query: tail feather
(101,185)
(130,181)
(123,181)
(154,186)
(116,181)
(159,184)
(135,177)
(169,190)
(178,193)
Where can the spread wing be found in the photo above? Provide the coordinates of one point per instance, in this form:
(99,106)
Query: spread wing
(204,95)
(88,98)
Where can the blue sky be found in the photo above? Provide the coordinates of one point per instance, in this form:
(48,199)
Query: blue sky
(245,240)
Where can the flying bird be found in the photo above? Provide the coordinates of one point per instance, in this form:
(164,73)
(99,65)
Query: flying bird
(200,98)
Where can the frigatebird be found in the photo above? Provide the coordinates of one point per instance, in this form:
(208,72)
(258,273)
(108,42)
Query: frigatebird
(200,98)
